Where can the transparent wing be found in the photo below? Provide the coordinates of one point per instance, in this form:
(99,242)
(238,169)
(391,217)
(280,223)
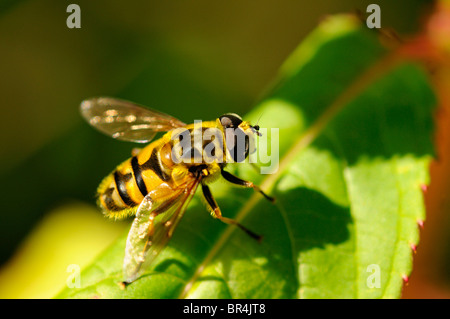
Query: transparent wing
(153,226)
(125,120)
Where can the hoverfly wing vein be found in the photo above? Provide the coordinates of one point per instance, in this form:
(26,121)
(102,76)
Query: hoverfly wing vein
(125,120)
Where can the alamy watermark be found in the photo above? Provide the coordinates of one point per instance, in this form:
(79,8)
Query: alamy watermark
(374,279)
(74,19)
(74,279)
(374,19)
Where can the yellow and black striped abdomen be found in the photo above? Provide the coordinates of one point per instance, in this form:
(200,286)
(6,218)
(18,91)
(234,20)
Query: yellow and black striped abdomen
(121,192)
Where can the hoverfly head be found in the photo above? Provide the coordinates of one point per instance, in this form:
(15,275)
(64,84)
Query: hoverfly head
(239,136)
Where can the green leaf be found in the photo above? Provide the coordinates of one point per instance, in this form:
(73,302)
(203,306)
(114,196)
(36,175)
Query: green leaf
(355,141)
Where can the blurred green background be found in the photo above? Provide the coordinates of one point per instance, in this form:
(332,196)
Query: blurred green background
(191,59)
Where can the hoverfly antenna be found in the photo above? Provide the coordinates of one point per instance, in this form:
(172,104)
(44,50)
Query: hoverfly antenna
(257,122)
(256,126)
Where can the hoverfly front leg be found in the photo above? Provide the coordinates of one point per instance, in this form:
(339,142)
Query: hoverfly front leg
(237,181)
(211,202)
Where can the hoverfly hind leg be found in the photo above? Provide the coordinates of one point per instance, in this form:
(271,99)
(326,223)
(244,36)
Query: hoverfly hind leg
(215,211)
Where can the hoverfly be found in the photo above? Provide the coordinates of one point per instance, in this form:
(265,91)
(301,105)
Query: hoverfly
(152,185)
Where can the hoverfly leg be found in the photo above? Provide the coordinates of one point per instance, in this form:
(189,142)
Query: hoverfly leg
(237,181)
(216,213)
